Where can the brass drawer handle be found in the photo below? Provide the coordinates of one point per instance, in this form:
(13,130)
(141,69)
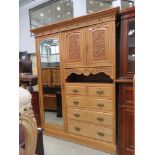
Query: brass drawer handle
(100,105)
(76,115)
(75,102)
(100,119)
(99,92)
(100,134)
(77,128)
(75,91)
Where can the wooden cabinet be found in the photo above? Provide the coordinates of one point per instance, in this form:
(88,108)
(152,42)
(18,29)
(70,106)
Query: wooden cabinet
(126,71)
(91,46)
(87,68)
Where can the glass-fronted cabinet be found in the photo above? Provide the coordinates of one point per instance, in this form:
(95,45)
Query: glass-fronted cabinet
(127,46)
(131,46)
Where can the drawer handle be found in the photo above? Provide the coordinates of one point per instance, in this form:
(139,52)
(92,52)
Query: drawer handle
(75,91)
(100,105)
(77,128)
(75,102)
(99,92)
(100,119)
(76,115)
(100,134)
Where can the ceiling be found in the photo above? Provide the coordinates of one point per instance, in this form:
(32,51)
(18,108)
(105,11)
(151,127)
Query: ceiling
(24,2)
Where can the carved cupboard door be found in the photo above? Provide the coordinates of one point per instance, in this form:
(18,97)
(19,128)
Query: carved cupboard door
(73,46)
(99,45)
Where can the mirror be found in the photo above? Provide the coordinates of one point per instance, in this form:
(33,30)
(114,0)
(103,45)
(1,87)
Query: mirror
(51,85)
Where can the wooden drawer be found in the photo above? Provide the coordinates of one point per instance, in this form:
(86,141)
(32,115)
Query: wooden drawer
(91,103)
(76,90)
(100,104)
(92,131)
(76,101)
(105,91)
(90,116)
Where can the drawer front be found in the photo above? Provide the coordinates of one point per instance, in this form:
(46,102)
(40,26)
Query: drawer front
(91,103)
(103,91)
(92,131)
(100,104)
(76,90)
(90,116)
(76,101)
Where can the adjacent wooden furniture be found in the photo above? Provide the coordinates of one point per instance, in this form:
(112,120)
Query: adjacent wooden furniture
(87,72)
(35,107)
(126,71)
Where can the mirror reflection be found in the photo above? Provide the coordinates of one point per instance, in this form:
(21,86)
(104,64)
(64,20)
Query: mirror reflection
(50,60)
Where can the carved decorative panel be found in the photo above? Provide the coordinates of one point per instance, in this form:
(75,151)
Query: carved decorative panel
(74,47)
(98,46)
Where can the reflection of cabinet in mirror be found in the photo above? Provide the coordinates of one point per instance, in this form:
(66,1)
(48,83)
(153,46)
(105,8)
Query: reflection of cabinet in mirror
(87,79)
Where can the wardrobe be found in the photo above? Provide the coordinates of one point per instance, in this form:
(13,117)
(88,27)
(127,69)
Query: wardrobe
(86,75)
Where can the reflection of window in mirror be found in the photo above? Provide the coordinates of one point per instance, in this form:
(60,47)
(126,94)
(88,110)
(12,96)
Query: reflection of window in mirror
(49,52)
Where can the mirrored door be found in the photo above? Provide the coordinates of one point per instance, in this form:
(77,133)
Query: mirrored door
(50,80)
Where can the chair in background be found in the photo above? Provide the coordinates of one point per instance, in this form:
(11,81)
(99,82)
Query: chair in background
(26,78)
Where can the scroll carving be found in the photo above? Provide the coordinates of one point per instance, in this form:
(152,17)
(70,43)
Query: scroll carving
(87,71)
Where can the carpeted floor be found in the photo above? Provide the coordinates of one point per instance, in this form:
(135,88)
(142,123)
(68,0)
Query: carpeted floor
(53,146)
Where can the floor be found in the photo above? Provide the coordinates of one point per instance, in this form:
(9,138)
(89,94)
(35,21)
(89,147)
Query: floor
(51,118)
(53,146)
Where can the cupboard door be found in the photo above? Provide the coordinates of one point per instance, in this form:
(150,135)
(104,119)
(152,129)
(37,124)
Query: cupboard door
(128,48)
(128,132)
(126,120)
(99,45)
(74,48)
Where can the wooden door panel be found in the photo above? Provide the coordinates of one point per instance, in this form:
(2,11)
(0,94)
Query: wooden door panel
(128,134)
(98,45)
(74,48)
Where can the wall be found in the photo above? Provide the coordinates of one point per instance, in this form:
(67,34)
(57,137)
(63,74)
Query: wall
(26,41)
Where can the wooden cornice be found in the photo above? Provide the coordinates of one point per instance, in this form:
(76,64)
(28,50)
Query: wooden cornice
(127,11)
(82,19)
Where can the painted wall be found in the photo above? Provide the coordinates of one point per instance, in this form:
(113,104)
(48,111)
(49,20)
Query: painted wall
(26,41)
